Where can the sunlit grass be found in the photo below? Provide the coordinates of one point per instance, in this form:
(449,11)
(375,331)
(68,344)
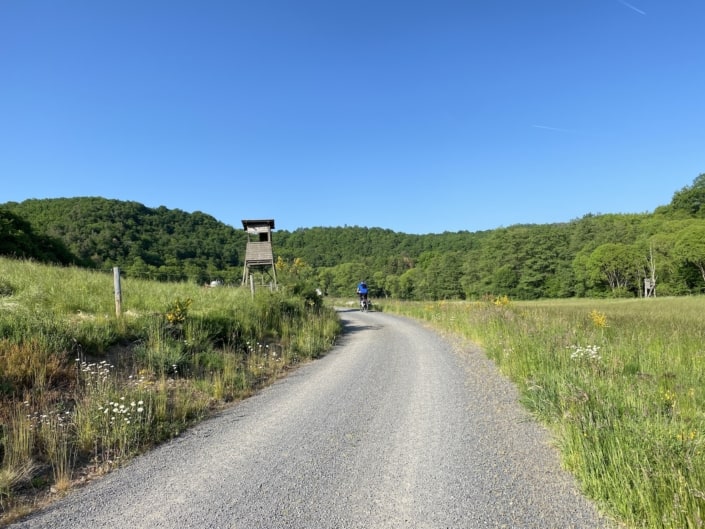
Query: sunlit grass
(83,389)
(621,384)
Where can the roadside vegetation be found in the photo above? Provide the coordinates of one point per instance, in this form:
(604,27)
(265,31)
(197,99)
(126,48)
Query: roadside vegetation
(83,390)
(620,383)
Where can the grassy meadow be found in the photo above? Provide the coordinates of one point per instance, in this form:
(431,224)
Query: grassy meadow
(83,390)
(620,384)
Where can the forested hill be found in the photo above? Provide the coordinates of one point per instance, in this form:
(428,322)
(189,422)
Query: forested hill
(17,238)
(596,255)
(326,247)
(153,242)
(170,243)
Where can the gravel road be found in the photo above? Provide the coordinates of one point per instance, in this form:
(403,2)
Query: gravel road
(392,429)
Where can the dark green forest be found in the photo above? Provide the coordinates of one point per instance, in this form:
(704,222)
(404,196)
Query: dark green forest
(606,255)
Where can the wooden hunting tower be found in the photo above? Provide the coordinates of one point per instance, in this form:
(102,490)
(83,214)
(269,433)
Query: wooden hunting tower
(258,254)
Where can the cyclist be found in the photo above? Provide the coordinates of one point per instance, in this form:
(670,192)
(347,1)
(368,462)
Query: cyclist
(362,292)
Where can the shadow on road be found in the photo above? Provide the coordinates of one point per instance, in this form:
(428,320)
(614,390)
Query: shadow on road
(350,327)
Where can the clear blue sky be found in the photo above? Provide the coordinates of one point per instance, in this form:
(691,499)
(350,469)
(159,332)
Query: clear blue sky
(420,116)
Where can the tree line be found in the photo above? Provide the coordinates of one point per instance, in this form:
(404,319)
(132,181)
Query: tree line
(616,255)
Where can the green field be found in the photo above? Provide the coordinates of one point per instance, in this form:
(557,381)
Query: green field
(82,389)
(620,384)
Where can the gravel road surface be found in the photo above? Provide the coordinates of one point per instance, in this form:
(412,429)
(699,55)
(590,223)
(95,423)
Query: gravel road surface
(392,429)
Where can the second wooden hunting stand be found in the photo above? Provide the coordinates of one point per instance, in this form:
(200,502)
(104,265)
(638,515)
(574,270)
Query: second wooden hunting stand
(258,254)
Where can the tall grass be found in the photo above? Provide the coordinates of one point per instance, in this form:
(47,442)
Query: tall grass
(83,390)
(621,383)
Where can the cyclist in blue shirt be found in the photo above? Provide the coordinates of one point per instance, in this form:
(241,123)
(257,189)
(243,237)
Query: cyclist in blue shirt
(362,291)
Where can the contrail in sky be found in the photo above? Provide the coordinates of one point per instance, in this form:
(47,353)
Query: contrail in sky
(632,7)
(545,127)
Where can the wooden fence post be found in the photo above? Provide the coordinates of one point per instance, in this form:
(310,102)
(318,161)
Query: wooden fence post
(118,291)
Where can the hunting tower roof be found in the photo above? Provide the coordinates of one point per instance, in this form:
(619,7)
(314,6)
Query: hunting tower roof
(262,223)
